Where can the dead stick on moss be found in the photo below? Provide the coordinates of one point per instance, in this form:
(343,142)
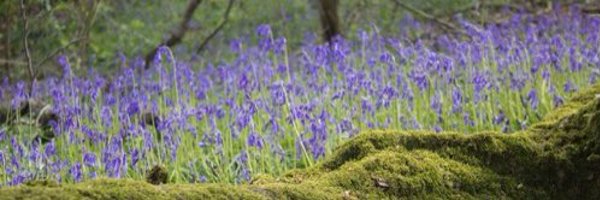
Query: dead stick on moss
(26,46)
(430,17)
(177,34)
(221,25)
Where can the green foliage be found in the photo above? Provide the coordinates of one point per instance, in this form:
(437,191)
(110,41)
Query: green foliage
(135,27)
(409,165)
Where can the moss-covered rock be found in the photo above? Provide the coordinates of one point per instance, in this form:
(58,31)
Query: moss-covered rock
(558,158)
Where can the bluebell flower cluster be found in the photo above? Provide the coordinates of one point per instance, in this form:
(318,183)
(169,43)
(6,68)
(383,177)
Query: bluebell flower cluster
(266,108)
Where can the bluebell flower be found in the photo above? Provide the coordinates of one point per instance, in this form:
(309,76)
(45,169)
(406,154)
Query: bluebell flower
(457,100)
(135,157)
(76,172)
(2,135)
(557,100)
(254,140)
(499,118)
(133,108)
(437,128)
(235,45)
(89,159)
(436,104)
(419,78)
(66,67)
(280,45)
(569,86)
(532,98)
(263,30)
(467,121)
(18,179)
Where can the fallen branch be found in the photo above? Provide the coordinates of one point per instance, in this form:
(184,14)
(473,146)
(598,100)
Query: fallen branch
(221,25)
(177,34)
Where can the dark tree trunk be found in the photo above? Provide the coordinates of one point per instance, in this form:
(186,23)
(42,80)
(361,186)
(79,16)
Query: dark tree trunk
(330,21)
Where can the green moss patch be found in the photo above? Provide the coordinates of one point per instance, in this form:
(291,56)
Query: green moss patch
(558,158)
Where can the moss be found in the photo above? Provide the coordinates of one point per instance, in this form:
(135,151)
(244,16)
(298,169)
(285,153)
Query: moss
(571,107)
(558,158)
(44,183)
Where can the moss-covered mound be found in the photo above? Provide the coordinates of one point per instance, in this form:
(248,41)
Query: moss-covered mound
(558,158)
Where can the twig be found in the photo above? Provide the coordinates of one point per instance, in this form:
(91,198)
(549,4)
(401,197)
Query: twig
(477,7)
(14,62)
(430,17)
(214,33)
(56,51)
(176,35)
(26,45)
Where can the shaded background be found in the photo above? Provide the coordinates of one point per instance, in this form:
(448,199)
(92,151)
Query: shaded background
(96,32)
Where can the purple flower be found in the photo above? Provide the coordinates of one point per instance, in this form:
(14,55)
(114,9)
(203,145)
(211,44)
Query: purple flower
(437,128)
(278,95)
(280,45)
(533,99)
(2,135)
(64,63)
(16,146)
(467,120)
(263,30)
(385,58)
(14,161)
(242,120)
(135,156)
(557,100)
(133,108)
(235,45)
(89,159)
(457,100)
(113,167)
(499,118)
(18,179)
(569,87)
(436,104)
(546,74)
(34,153)
(366,105)
(75,172)
(254,140)
(243,83)
(479,81)
(106,116)
(386,96)
(419,78)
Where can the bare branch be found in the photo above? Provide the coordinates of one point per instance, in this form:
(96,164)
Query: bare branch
(54,53)
(477,6)
(221,25)
(13,62)
(26,46)
(429,17)
(177,34)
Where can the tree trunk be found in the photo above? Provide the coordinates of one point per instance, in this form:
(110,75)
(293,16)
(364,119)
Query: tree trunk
(330,22)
